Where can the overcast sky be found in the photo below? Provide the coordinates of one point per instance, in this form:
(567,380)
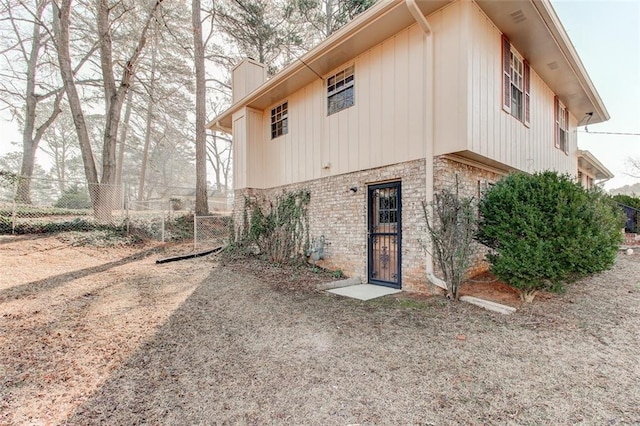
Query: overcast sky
(606,34)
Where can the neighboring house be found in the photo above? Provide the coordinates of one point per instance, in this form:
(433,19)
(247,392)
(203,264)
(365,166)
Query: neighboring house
(404,100)
(591,171)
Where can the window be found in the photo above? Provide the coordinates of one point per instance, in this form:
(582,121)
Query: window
(516,76)
(279,120)
(516,86)
(562,126)
(340,91)
(388,209)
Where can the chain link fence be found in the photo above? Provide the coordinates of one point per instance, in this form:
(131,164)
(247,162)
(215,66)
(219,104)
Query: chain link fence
(38,205)
(210,231)
(35,205)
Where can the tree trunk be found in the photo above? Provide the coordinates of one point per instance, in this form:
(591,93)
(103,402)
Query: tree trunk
(123,140)
(30,140)
(147,135)
(202,205)
(61,27)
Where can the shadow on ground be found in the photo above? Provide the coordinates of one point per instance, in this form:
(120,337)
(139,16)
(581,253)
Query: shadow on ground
(241,351)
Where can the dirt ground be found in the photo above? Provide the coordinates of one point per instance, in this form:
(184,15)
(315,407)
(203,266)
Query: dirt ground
(92,335)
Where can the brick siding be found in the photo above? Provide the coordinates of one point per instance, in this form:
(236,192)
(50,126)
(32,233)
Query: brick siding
(341,214)
(472,181)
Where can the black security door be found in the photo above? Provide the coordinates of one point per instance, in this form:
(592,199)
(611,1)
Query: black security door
(385,234)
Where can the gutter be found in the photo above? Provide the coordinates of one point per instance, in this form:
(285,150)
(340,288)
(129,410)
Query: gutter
(428,129)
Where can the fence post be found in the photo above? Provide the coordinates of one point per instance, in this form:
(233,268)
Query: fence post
(15,207)
(195,232)
(163,216)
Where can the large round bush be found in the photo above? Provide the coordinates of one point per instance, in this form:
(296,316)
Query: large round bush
(74,198)
(545,229)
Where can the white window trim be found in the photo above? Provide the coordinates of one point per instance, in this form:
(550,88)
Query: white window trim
(338,86)
(281,118)
(514,80)
(563,127)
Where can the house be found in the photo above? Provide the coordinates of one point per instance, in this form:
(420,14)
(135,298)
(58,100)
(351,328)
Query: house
(404,100)
(591,171)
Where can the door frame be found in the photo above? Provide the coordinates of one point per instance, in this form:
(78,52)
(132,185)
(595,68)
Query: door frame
(371,234)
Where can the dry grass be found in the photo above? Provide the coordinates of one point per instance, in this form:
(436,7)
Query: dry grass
(248,343)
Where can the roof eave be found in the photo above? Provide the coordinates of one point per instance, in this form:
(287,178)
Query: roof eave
(223,121)
(566,46)
(601,171)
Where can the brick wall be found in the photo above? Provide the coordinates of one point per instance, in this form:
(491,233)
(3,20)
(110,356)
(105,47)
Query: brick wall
(341,216)
(472,181)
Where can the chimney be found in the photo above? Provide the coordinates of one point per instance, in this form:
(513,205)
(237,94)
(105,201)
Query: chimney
(247,76)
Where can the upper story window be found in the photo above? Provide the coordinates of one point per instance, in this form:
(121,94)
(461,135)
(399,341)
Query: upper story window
(561,126)
(340,91)
(516,79)
(280,120)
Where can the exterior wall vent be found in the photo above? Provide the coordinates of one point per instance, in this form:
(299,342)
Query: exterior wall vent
(518,16)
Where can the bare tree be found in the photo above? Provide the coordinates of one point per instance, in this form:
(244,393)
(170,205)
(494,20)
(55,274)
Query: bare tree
(261,30)
(29,37)
(60,144)
(327,16)
(114,93)
(202,204)
(633,166)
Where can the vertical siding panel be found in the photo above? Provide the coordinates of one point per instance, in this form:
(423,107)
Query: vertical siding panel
(239,159)
(485,89)
(293,167)
(401,97)
(342,137)
(476,80)
(388,117)
(363,98)
(418,76)
(450,130)
(376,107)
(353,141)
(318,139)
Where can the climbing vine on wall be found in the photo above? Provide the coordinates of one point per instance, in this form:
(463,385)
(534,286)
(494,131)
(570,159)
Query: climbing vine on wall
(280,229)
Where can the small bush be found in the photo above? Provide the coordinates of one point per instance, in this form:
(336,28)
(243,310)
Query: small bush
(74,198)
(451,224)
(545,229)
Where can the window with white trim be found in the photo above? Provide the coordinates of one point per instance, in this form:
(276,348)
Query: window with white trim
(280,120)
(517,86)
(516,78)
(561,126)
(340,90)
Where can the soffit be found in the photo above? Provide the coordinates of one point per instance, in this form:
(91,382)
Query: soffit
(589,163)
(371,28)
(535,31)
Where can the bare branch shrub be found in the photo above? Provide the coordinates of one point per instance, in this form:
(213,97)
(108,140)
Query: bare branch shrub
(451,225)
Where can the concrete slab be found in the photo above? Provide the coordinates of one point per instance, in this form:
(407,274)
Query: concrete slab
(487,304)
(340,283)
(364,291)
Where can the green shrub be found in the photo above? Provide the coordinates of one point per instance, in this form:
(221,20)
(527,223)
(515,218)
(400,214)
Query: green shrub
(74,198)
(545,229)
(627,200)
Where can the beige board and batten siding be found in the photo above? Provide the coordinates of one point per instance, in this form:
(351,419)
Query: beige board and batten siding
(468,93)
(385,125)
(248,153)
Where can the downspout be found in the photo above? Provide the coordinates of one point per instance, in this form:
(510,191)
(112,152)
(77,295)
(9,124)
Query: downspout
(428,130)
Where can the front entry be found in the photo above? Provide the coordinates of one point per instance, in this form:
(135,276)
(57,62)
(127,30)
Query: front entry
(384,234)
